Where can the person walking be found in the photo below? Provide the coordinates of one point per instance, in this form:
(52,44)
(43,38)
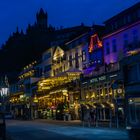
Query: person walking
(92,116)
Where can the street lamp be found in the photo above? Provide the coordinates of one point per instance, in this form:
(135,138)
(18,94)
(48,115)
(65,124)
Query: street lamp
(4,89)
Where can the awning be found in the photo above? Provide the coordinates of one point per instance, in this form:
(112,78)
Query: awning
(60,79)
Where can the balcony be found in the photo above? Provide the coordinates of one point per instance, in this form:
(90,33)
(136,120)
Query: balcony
(99,70)
(132,46)
(59,60)
(112,67)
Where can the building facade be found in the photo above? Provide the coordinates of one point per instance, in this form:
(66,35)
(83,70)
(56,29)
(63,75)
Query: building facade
(85,68)
(62,89)
(22,93)
(122,34)
(131,75)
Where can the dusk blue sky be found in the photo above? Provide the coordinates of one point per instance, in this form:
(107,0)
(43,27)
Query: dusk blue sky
(64,13)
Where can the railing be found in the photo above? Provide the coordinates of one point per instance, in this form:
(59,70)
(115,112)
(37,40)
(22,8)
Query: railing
(112,67)
(104,69)
(61,59)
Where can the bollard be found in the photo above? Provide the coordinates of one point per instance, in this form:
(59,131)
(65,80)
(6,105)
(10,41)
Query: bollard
(64,118)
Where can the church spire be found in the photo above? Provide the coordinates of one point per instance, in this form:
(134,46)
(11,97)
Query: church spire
(42,19)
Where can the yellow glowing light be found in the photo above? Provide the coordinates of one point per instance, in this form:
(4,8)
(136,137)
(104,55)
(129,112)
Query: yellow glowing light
(112,105)
(21,96)
(58,81)
(102,94)
(35,100)
(133,52)
(45,88)
(130,100)
(93,95)
(64,90)
(102,106)
(87,96)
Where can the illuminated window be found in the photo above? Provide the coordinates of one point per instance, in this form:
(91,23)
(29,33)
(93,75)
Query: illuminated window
(84,55)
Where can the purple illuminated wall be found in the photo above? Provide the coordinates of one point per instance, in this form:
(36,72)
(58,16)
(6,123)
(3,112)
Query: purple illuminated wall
(129,35)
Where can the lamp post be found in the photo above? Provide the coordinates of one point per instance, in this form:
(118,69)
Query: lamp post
(4,88)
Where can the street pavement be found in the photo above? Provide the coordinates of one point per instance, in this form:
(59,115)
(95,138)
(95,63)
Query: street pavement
(44,130)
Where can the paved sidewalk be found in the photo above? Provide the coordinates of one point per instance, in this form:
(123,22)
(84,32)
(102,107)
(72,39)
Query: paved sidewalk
(54,129)
(76,127)
(78,123)
(61,122)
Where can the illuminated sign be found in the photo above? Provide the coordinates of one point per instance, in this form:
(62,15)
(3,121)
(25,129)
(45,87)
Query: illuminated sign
(94,43)
(94,80)
(111,76)
(102,78)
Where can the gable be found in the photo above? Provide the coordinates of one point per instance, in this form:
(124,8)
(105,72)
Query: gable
(59,52)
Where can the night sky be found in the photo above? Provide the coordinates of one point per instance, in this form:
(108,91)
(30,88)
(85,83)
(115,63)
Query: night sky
(64,13)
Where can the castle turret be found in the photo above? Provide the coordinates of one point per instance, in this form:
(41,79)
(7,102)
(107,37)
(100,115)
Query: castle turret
(42,19)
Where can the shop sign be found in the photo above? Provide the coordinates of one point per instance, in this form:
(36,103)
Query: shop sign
(93,80)
(102,78)
(114,75)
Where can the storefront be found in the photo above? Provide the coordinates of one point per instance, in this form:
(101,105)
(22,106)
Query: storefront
(59,96)
(106,93)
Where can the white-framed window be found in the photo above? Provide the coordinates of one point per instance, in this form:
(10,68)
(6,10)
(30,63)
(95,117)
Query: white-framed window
(83,55)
